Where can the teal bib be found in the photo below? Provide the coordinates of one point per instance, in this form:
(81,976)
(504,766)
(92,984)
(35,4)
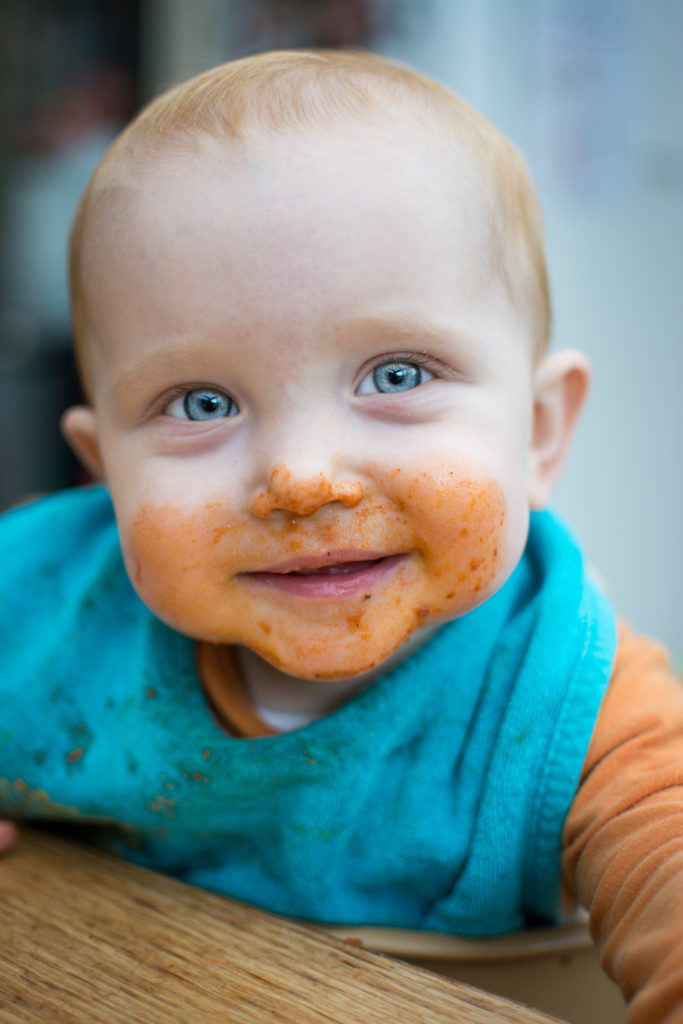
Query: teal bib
(434,799)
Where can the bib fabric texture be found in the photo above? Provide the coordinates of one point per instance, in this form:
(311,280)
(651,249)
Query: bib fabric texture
(434,799)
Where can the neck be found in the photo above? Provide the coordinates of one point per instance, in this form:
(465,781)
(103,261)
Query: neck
(271,690)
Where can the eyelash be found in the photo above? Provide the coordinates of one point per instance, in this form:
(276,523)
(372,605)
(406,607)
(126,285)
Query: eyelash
(184,395)
(432,366)
(162,406)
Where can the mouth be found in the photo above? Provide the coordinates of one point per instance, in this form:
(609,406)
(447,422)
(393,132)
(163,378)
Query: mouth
(330,580)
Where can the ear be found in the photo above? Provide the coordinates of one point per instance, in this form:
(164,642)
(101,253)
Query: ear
(79,429)
(561,383)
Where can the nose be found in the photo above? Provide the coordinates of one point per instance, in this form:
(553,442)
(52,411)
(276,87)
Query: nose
(303,497)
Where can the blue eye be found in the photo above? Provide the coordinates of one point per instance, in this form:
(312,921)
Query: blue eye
(203,404)
(393,378)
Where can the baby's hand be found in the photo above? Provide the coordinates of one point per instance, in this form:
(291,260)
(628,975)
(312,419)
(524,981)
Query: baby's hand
(8,836)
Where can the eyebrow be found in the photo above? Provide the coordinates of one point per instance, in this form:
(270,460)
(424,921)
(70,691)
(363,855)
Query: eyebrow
(179,358)
(409,327)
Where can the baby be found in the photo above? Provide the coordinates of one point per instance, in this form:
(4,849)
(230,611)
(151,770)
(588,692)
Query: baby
(350,671)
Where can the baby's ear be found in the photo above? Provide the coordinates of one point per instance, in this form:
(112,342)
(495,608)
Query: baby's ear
(79,429)
(561,383)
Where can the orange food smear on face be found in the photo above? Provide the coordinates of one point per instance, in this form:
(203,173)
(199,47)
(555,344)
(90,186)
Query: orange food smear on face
(283,493)
(188,567)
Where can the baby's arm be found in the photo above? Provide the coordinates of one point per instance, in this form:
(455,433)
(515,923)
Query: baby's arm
(8,836)
(623,839)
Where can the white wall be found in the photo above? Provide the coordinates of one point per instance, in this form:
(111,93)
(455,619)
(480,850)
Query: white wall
(592,93)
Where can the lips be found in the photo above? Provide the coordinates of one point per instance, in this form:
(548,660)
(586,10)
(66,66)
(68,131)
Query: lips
(328,581)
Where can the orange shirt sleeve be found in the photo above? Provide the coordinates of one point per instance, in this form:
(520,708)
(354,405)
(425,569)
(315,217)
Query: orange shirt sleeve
(623,838)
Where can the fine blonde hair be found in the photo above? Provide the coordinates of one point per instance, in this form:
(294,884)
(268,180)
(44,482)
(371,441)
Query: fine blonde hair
(304,89)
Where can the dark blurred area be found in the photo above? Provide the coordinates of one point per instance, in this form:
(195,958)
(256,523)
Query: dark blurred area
(69,73)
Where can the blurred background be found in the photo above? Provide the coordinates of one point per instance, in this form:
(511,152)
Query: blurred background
(591,91)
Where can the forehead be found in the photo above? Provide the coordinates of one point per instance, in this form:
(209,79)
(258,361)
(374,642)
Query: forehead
(301,188)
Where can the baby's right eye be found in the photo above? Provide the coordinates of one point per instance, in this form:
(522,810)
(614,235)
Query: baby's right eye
(202,404)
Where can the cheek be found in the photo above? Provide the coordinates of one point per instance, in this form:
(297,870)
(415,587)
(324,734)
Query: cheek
(461,527)
(172,558)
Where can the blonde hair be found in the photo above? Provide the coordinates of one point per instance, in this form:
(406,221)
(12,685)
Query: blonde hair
(288,90)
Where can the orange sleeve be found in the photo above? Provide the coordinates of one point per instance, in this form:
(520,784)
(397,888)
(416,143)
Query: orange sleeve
(623,838)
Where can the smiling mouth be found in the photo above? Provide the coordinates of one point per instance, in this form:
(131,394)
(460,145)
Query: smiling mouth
(331,581)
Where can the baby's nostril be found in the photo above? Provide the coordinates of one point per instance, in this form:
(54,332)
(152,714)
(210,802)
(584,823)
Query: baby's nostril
(303,497)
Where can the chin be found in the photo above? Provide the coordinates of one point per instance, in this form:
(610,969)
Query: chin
(335,660)
(328,670)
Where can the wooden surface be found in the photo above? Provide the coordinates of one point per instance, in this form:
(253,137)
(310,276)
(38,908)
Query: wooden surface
(87,938)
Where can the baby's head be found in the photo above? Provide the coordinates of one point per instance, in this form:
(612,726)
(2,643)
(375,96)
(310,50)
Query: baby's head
(273,94)
(311,309)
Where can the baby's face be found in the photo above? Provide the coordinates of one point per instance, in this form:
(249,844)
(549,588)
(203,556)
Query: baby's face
(313,394)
